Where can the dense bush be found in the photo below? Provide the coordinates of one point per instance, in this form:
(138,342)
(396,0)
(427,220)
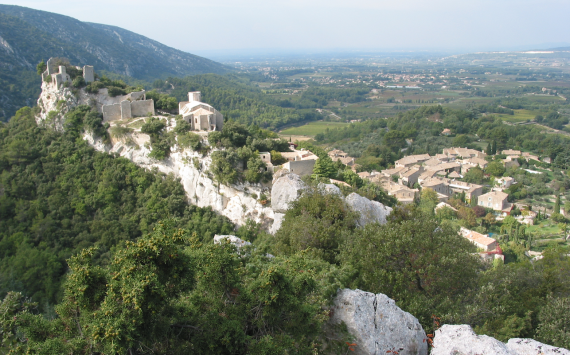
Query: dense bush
(59,196)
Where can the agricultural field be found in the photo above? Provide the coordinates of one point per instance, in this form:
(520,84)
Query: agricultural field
(311,129)
(519,116)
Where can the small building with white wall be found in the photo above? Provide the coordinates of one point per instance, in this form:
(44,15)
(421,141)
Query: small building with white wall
(201,116)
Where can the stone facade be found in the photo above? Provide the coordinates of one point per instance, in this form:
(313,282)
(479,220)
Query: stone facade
(300,167)
(59,74)
(132,105)
(201,116)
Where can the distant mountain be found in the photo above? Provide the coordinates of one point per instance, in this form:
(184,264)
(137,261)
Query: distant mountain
(28,36)
(560,49)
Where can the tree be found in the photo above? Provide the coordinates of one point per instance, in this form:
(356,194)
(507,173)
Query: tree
(489,150)
(416,261)
(317,222)
(169,292)
(461,140)
(468,216)
(475,175)
(324,167)
(428,200)
(557,204)
(41,67)
(277,158)
(554,317)
(445,213)
(494,147)
(495,168)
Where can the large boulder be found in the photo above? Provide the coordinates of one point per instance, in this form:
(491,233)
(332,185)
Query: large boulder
(278,219)
(370,211)
(330,189)
(461,339)
(532,347)
(285,190)
(238,242)
(379,326)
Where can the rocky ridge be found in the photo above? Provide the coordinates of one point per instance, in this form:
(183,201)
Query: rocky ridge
(237,202)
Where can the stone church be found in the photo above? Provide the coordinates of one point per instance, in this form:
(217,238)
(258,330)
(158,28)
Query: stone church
(201,116)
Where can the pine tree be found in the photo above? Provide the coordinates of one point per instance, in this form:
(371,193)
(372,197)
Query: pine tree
(557,204)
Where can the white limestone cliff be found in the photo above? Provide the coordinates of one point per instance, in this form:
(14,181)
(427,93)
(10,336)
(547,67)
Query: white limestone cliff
(378,325)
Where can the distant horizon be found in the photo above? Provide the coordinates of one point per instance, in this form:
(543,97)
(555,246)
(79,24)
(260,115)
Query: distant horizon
(318,26)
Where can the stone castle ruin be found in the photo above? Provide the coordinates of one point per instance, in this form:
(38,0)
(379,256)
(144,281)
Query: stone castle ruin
(201,116)
(128,106)
(59,75)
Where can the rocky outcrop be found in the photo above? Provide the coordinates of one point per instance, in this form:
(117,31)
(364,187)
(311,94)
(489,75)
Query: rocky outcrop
(532,347)
(378,325)
(330,189)
(370,211)
(237,242)
(460,339)
(237,202)
(285,190)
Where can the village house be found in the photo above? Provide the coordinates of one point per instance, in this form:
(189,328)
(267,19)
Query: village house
(464,153)
(472,191)
(411,160)
(511,161)
(446,132)
(527,156)
(410,176)
(402,193)
(482,163)
(266,158)
(511,153)
(445,168)
(497,200)
(505,182)
(300,162)
(440,186)
(201,116)
(480,240)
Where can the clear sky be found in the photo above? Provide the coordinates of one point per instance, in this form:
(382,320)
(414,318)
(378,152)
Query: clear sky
(202,26)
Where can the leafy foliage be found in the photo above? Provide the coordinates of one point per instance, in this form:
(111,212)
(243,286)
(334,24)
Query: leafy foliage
(60,196)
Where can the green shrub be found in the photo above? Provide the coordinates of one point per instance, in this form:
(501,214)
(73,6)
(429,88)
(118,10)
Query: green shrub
(78,82)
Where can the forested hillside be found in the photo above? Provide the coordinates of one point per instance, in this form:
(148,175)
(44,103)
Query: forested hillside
(236,99)
(58,195)
(28,36)
(156,283)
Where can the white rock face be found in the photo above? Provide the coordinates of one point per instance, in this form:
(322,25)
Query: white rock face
(278,219)
(238,242)
(330,189)
(285,190)
(532,347)
(233,201)
(460,339)
(378,325)
(370,211)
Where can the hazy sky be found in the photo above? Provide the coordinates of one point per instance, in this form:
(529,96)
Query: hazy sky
(210,25)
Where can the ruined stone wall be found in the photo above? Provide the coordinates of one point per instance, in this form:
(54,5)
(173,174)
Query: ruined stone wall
(142,108)
(111,112)
(300,167)
(219,121)
(126,109)
(88,73)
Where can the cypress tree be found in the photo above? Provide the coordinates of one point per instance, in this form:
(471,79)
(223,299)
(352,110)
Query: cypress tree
(557,204)
(494,147)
